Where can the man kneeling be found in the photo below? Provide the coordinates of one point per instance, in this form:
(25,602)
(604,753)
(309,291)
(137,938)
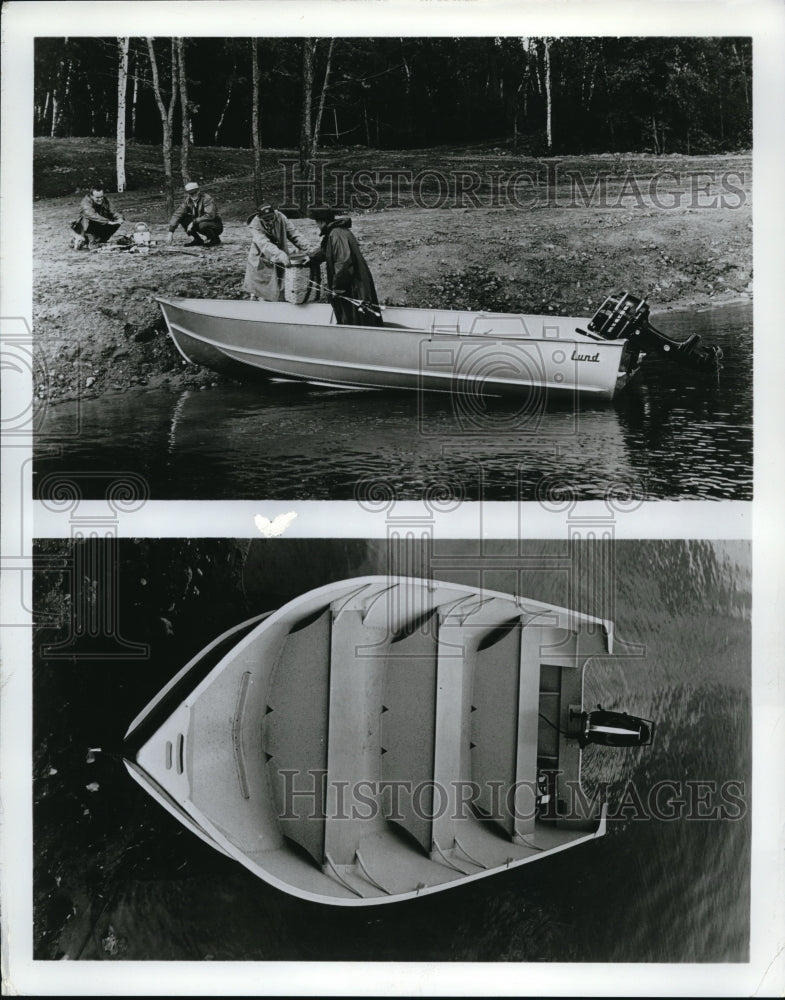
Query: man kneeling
(198,215)
(97,223)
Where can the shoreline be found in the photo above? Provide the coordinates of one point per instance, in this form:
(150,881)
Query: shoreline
(98,329)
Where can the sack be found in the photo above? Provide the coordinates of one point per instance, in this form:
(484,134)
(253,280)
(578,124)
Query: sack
(299,285)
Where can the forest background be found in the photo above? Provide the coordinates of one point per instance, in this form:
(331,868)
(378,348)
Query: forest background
(528,96)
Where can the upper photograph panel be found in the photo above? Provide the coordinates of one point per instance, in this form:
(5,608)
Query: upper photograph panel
(306,268)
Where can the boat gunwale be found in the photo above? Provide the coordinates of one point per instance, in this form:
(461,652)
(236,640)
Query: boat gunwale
(576,338)
(348,588)
(206,830)
(159,697)
(270,618)
(273,617)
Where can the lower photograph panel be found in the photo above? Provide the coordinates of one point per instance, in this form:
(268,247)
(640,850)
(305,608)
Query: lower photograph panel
(397,750)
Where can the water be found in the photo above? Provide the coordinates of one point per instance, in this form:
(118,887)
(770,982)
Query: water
(672,435)
(117,878)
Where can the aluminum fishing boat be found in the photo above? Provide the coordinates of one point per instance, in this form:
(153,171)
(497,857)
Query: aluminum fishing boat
(379,739)
(475,353)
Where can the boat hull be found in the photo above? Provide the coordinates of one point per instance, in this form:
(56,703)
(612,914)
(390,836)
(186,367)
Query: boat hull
(474,354)
(279,744)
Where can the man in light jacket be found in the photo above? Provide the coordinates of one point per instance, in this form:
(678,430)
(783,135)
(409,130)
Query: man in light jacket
(268,257)
(198,215)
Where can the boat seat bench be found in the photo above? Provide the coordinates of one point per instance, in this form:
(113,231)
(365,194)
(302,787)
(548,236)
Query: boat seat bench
(463,695)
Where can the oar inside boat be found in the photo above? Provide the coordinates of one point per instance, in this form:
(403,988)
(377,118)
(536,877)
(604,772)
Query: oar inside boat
(625,317)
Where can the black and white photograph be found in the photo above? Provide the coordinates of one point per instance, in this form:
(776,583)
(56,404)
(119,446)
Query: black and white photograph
(392,477)
(283,266)
(367,750)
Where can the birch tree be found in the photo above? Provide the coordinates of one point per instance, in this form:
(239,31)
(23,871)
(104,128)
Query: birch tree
(62,88)
(185,113)
(122,86)
(548,95)
(137,70)
(166,114)
(229,88)
(256,128)
(306,129)
(325,83)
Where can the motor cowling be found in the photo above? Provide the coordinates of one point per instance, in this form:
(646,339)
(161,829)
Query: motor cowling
(624,317)
(619,317)
(614,729)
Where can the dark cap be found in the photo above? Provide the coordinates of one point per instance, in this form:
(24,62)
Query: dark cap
(322,214)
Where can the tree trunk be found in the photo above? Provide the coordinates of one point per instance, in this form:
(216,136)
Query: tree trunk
(306,129)
(122,85)
(256,128)
(609,99)
(743,68)
(166,114)
(367,130)
(721,111)
(185,113)
(515,108)
(138,68)
(229,88)
(45,112)
(654,133)
(93,105)
(548,97)
(59,101)
(592,81)
(318,123)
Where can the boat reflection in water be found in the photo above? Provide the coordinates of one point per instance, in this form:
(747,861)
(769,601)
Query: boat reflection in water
(672,433)
(383,738)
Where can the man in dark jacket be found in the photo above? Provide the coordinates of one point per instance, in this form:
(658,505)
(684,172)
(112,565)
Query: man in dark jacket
(349,278)
(198,215)
(97,222)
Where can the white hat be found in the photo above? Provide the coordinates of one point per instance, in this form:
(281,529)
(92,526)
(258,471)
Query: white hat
(191,186)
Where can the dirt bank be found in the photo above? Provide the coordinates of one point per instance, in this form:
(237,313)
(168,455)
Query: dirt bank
(680,232)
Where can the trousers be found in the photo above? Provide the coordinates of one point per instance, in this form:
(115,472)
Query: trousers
(209,229)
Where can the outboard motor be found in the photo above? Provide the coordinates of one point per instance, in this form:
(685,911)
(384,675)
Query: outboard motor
(614,729)
(624,317)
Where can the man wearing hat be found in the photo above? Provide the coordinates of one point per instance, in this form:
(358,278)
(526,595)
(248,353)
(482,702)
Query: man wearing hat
(198,215)
(271,234)
(348,276)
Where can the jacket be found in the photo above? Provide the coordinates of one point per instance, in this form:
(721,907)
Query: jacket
(91,211)
(267,256)
(347,274)
(201,209)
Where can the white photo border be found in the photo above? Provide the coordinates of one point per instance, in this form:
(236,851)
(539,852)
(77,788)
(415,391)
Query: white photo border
(761,520)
